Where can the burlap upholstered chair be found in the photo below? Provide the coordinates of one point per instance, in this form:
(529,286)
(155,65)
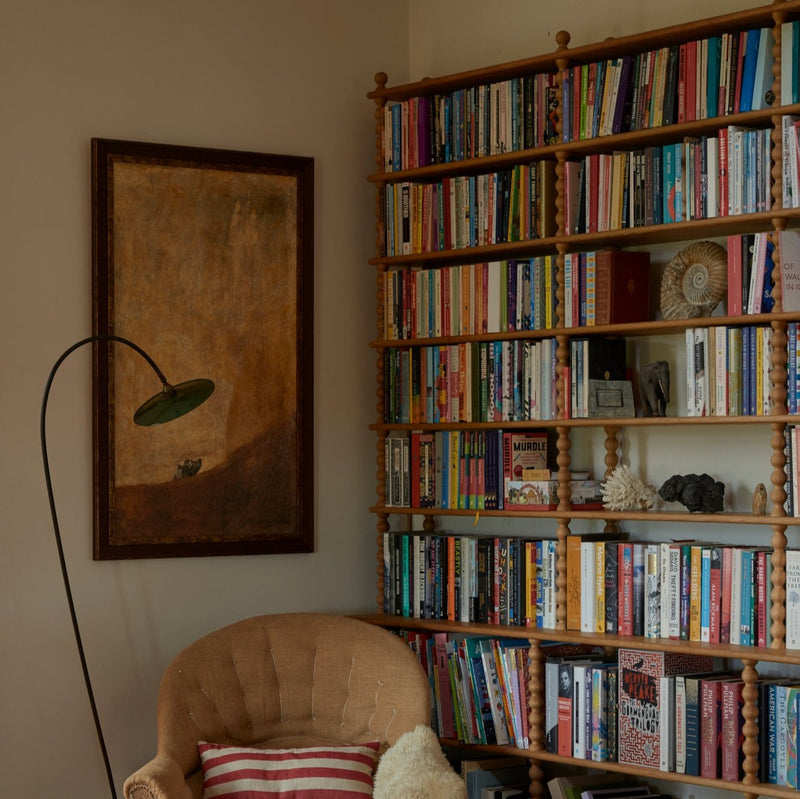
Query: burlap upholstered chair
(280,681)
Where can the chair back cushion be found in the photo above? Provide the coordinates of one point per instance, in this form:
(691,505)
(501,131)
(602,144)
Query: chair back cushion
(289,680)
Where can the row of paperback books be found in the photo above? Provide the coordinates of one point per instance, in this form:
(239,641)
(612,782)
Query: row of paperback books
(485,579)
(467,469)
(488,119)
(697,178)
(478,470)
(479,686)
(728,370)
(683,590)
(600,287)
(723,74)
(472,381)
(471,299)
(674,712)
(515,204)
(751,272)
(720,75)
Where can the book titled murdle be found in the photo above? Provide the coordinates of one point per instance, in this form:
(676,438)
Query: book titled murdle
(622,287)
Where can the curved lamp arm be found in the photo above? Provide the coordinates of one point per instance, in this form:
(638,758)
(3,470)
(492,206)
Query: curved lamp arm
(172,402)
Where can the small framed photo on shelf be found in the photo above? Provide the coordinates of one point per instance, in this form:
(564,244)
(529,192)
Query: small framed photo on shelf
(610,398)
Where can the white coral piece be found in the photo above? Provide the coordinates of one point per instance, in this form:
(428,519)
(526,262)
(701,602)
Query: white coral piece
(624,490)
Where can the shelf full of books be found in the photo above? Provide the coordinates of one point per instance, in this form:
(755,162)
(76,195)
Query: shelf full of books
(689,590)
(520,220)
(675,713)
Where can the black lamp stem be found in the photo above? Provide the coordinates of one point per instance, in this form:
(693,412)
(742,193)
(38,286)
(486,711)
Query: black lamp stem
(57,532)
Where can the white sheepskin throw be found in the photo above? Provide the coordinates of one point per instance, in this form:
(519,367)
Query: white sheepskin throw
(416,768)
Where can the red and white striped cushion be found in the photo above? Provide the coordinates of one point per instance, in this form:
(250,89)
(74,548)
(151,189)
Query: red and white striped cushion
(326,772)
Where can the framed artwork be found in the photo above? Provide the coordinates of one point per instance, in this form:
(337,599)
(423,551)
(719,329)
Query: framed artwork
(204,258)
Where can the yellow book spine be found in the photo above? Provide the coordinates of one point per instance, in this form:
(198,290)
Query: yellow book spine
(600,585)
(694,593)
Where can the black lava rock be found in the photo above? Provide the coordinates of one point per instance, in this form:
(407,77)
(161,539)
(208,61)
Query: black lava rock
(698,492)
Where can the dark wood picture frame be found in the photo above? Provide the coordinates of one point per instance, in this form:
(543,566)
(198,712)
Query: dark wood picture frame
(204,258)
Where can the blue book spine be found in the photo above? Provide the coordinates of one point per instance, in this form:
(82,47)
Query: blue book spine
(668,193)
(679,211)
(747,376)
(685,576)
(749,70)
(772,735)
(712,79)
(397,137)
(745,625)
(693,726)
(405,576)
(539,585)
(705,594)
(658,180)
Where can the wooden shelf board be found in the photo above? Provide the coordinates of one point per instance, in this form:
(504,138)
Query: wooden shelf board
(728,651)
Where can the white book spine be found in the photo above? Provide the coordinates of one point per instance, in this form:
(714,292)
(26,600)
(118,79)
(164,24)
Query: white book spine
(664,587)
(666,724)
(690,393)
(579,710)
(680,724)
(652,592)
(674,592)
(588,595)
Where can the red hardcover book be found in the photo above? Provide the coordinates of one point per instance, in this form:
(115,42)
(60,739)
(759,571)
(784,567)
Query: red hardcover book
(622,286)
(715,595)
(450,607)
(762,597)
(731,734)
(639,709)
(565,700)
(444,698)
(682,54)
(725,604)
(524,449)
(710,727)
(735,274)
(691,80)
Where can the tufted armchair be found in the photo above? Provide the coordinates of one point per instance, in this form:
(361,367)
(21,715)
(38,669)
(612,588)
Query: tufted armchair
(280,681)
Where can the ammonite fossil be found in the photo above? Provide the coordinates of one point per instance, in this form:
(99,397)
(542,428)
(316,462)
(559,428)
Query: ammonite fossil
(694,281)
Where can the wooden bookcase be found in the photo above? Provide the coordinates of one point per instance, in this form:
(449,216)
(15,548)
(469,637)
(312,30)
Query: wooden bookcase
(558,242)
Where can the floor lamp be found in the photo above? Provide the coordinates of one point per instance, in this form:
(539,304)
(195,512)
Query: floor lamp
(170,403)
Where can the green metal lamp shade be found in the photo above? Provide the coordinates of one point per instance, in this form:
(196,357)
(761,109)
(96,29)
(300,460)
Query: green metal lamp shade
(173,402)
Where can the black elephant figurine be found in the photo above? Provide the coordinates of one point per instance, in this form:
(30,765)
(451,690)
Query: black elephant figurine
(654,388)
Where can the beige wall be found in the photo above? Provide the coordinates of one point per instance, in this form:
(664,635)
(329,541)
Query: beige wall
(263,75)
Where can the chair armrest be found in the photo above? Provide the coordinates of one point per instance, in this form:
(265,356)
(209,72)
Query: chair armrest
(161,778)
